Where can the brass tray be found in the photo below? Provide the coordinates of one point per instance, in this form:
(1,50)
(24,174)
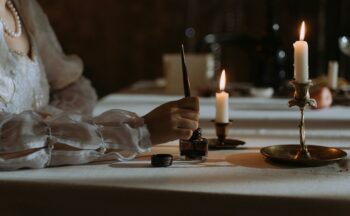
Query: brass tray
(319,155)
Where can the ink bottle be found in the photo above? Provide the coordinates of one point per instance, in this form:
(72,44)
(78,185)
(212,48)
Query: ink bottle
(196,148)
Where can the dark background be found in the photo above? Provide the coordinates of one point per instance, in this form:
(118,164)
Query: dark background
(122,41)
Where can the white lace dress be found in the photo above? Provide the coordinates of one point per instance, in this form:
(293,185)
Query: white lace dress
(46,104)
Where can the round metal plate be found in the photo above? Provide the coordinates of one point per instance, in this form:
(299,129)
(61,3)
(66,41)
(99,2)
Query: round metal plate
(319,155)
(214,144)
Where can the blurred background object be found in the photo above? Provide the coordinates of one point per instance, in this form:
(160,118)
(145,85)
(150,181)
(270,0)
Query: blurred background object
(122,42)
(344,45)
(201,67)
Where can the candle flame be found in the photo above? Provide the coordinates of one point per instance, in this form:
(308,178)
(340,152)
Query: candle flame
(223,80)
(302,31)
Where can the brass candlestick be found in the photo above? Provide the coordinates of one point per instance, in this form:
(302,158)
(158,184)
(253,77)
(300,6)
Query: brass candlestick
(303,154)
(302,99)
(222,142)
(221,130)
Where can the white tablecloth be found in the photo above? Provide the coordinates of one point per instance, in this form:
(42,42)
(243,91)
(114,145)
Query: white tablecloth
(234,182)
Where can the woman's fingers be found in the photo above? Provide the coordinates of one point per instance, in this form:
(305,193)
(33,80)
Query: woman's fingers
(173,120)
(187,124)
(189,115)
(184,134)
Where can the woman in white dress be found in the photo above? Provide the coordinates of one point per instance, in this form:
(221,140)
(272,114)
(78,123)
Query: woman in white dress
(46,103)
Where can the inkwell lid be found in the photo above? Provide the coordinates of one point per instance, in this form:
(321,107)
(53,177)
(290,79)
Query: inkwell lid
(161,160)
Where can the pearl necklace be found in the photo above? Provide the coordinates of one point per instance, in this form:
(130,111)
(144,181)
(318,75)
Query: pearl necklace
(18,25)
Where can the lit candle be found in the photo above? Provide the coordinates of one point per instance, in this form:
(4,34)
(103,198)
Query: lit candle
(333,68)
(301,55)
(222,115)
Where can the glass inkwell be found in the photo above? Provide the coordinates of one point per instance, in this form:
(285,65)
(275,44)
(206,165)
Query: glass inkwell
(196,148)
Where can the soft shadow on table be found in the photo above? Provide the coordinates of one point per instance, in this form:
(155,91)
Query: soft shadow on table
(253,160)
(143,164)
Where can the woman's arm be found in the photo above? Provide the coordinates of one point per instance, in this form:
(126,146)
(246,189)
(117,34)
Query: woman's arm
(32,140)
(54,137)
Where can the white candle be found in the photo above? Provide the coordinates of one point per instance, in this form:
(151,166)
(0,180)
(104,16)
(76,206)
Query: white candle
(222,114)
(333,68)
(301,58)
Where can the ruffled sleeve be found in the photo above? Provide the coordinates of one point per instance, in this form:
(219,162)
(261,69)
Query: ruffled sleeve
(78,97)
(61,134)
(52,137)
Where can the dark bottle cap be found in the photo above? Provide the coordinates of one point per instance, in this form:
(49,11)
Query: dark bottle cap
(197,134)
(161,160)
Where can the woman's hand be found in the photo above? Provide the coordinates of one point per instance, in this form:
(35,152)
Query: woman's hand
(173,120)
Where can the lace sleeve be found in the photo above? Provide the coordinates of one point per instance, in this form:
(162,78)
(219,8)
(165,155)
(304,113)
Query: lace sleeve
(78,97)
(36,140)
